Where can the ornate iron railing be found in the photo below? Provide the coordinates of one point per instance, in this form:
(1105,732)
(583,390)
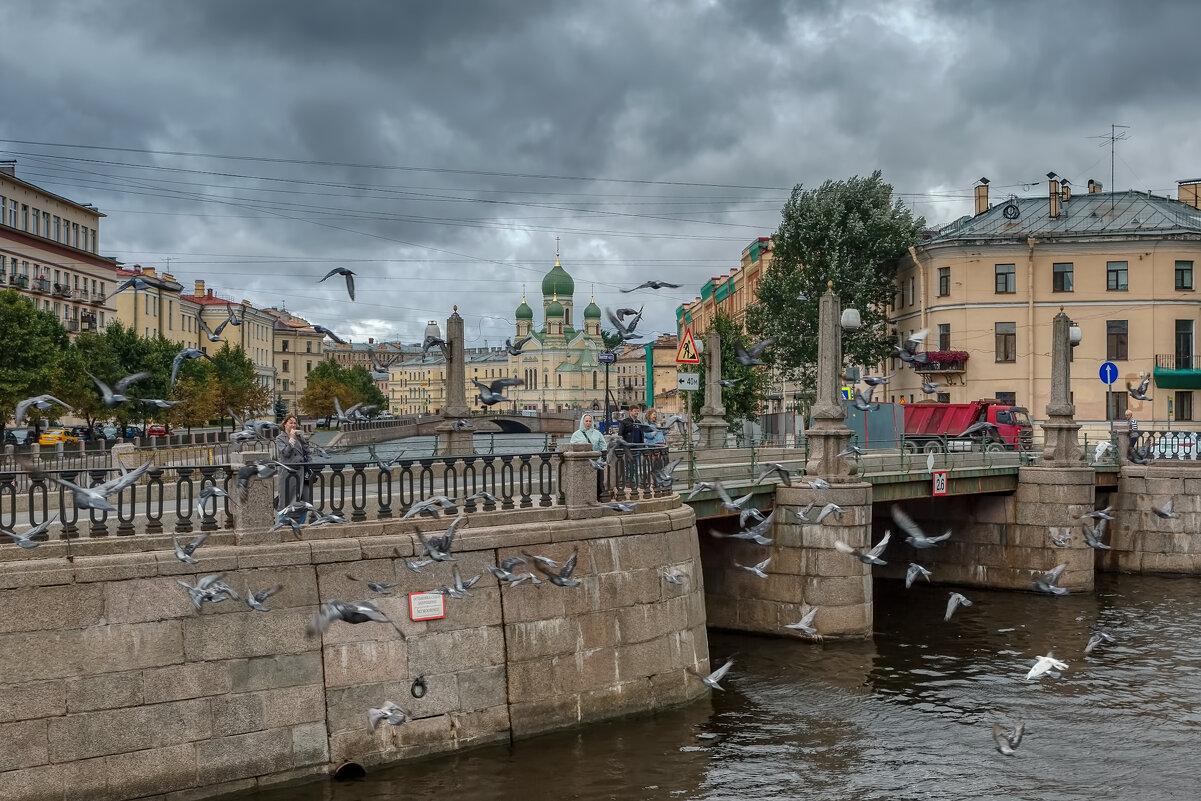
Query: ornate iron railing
(1175,444)
(630,476)
(164,500)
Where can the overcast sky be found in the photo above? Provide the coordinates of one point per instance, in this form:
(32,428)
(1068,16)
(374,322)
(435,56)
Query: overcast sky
(439,148)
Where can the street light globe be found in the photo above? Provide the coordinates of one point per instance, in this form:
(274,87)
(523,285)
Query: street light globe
(1075,335)
(851,320)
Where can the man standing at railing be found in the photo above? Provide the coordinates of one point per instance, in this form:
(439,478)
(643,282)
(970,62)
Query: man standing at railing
(631,431)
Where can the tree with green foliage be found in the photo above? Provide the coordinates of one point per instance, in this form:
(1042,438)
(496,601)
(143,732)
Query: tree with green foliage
(235,384)
(30,356)
(363,390)
(351,386)
(89,353)
(851,233)
(743,400)
(611,339)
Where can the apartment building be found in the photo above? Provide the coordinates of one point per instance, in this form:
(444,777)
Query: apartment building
(156,305)
(1120,264)
(731,293)
(296,350)
(255,336)
(628,379)
(49,253)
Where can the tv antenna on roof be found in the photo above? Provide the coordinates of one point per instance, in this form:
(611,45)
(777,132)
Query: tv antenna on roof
(1113,137)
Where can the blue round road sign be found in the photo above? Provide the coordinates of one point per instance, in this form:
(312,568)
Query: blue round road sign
(1109,373)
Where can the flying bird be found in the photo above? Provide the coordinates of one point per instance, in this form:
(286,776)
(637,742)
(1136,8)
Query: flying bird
(863,400)
(490,394)
(514,349)
(97,497)
(381,587)
(749,357)
(907,350)
(931,387)
(870,557)
(915,570)
(184,552)
(653,285)
(779,470)
(1094,537)
(213,335)
(880,381)
(622,314)
(1100,514)
(563,577)
(852,450)
(983,427)
(1103,449)
(1007,742)
(1098,638)
(255,600)
(728,382)
(209,589)
(27,539)
(1141,392)
(234,320)
(389,713)
(347,274)
(624,330)
(111,397)
(817,484)
(954,602)
(1048,582)
(716,676)
(1046,666)
(352,613)
(917,538)
(805,624)
(432,341)
(42,402)
(827,510)
(320,329)
(186,353)
(1164,511)
(758,570)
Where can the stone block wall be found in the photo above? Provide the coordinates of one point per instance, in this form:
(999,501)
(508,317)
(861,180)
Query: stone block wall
(805,569)
(1142,542)
(114,687)
(999,541)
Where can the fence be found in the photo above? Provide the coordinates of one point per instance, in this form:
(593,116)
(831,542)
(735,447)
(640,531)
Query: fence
(165,498)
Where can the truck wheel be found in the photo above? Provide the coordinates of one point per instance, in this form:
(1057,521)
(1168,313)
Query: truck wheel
(995,447)
(932,447)
(909,447)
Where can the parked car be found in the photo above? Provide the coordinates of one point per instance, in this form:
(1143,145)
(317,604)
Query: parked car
(81,433)
(18,436)
(52,436)
(158,430)
(108,432)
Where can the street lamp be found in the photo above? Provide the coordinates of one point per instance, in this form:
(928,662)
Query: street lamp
(851,320)
(1075,335)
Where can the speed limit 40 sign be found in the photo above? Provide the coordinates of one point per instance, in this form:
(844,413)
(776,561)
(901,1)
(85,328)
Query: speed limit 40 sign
(940,482)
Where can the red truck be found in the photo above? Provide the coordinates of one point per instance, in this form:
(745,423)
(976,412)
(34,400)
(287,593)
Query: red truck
(928,423)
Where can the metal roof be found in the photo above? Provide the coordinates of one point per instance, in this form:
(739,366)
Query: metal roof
(1097,214)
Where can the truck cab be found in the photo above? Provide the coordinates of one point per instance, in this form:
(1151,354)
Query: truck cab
(929,425)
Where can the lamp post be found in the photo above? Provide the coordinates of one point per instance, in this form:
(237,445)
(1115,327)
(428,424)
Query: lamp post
(1061,446)
(829,435)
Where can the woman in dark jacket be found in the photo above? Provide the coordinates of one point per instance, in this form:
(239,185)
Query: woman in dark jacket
(291,448)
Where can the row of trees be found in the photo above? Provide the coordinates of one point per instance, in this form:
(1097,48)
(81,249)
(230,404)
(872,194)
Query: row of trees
(349,385)
(37,356)
(852,233)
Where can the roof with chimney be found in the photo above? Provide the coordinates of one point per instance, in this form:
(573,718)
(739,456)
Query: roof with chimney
(1128,215)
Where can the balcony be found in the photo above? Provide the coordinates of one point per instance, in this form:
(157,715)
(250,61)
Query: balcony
(61,291)
(41,285)
(19,281)
(1177,371)
(72,324)
(98,297)
(944,361)
(82,294)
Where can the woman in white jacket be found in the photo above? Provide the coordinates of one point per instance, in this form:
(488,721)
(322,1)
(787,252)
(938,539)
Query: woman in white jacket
(588,434)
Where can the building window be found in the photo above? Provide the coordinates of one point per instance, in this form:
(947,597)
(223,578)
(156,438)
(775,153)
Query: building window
(910,290)
(37,223)
(1061,277)
(1007,342)
(24,217)
(944,336)
(57,222)
(1116,406)
(1116,341)
(285,367)
(944,281)
(284,346)
(1115,276)
(308,347)
(1007,398)
(308,367)
(285,383)
(12,213)
(944,397)
(45,223)
(1006,283)
(1184,280)
(1184,406)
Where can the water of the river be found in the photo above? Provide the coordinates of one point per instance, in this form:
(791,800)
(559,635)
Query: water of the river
(907,715)
(422,447)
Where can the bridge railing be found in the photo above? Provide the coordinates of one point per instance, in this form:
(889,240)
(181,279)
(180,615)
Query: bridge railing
(630,475)
(1172,444)
(164,499)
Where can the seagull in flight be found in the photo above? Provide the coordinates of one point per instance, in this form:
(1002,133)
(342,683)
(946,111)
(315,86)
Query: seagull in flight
(1049,582)
(1046,665)
(716,676)
(652,285)
(915,570)
(870,557)
(347,274)
(805,624)
(917,538)
(954,602)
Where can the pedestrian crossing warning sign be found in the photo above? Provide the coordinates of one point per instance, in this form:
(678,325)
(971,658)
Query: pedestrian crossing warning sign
(687,354)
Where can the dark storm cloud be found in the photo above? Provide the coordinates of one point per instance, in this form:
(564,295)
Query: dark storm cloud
(752,93)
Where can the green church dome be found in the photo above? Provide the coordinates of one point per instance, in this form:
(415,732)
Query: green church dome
(558,282)
(524,312)
(555,309)
(592,311)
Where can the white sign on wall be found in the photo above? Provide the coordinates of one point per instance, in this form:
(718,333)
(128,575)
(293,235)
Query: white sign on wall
(427,605)
(688,382)
(940,482)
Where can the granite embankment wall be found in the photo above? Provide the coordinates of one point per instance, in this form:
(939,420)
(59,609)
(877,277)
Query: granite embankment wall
(114,687)
(1142,541)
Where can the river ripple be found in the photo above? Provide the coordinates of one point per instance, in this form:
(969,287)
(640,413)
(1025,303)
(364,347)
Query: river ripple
(904,716)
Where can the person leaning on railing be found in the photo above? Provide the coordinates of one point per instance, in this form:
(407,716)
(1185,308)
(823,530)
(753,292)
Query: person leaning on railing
(589,434)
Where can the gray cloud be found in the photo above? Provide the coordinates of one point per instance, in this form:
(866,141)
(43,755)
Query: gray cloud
(696,99)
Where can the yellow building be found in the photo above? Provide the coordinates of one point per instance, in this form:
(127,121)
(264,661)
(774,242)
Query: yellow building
(49,253)
(296,350)
(628,376)
(255,336)
(731,293)
(1120,264)
(157,306)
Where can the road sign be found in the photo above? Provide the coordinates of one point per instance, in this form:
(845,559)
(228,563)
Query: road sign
(606,357)
(688,382)
(846,393)
(940,482)
(1109,373)
(687,353)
